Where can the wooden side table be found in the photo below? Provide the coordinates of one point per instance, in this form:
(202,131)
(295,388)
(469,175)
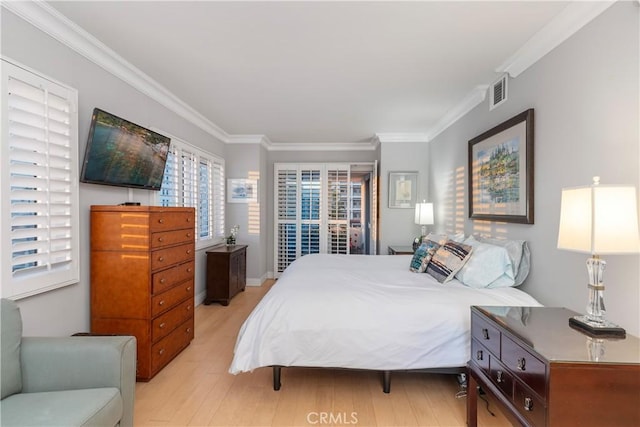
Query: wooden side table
(545,373)
(400,250)
(226,273)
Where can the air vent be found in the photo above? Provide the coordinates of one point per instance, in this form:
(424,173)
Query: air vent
(498,92)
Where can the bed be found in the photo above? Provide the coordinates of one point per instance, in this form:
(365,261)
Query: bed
(363,312)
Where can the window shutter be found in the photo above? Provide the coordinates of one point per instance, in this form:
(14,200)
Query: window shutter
(39,184)
(286,217)
(338,210)
(218,197)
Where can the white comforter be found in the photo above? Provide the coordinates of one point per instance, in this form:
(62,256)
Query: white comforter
(366,312)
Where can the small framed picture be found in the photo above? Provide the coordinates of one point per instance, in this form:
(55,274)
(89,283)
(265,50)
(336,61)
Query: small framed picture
(403,188)
(240,190)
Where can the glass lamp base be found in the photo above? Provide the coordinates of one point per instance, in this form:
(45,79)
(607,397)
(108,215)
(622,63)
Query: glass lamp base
(598,329)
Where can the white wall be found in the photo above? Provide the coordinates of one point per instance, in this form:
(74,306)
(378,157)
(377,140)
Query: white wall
(65,311)
(586,97)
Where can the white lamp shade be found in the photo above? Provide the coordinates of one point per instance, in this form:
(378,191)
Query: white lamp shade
(599,220)
(424,213)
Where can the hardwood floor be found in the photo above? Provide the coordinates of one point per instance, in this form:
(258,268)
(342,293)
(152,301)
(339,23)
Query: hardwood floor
(195,389)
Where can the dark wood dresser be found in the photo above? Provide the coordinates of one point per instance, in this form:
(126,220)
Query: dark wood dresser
(142,279)
(547,374)
(226,273)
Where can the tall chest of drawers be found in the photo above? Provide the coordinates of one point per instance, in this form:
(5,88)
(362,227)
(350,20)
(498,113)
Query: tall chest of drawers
(547,374)
(142,279)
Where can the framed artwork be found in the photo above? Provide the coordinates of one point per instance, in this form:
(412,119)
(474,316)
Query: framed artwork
(403,189)
(240,190)
(501,172)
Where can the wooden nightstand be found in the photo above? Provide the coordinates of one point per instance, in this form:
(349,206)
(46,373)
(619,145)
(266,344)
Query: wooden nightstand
(547,374)
(400,250)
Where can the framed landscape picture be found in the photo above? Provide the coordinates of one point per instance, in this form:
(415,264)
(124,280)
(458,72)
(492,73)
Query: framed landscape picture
(241,190)
(403,189)
(501,172)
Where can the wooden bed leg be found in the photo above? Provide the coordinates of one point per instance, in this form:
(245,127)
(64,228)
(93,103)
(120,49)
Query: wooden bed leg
(276,377)
(386,381)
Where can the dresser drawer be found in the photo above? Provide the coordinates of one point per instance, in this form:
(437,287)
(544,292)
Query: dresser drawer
(166,349)
(164,324)
(159,221)
(501,377)
(480,355)
(166,257)
(165,279)
(164,301)
(524,365)
(529,405)
(170,238)
(486,334)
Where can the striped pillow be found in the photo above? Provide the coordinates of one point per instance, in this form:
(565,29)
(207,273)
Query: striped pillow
(448,260)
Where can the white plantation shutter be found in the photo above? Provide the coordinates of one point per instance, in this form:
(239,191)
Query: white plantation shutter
(286,205)
(338,209)
(39,183)
(194,178)
(310,202)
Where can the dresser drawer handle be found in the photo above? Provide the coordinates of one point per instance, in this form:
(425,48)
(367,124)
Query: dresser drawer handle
(161,302)
(499,378)
(189,270)
(528,404)
(188,308)
(479,355)
(188,219)
(485,333)
(188,330)
(161,258)
(163,280)
(188,288)
(161,351)
(188,251)
(161,220)
(522,363)
(189,235)
(162,325)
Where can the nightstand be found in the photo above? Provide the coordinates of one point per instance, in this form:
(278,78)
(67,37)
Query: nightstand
(400,250)
(544,373)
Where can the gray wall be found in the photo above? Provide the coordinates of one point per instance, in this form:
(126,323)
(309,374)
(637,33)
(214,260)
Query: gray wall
(66,310)
(585,94)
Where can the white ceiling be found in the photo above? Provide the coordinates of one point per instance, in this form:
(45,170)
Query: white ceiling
(320,72)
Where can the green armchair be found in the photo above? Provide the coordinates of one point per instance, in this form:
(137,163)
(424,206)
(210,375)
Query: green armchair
(67,381)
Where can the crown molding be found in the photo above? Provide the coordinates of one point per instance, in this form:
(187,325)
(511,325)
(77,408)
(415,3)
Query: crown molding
(250,139)
(571,19)
(401,137)
(473,98)
(322,146)
(49,20)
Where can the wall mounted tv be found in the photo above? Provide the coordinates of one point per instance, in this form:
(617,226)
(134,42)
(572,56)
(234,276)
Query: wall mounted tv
(124,154)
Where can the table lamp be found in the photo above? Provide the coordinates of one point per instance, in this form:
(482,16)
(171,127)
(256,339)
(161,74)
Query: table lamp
(599,220)
(424,217)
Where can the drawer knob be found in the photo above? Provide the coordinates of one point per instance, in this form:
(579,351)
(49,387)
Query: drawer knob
(161,351)
(163,280)
(522,363)
(188,308)
(188,219)
(499,378)
(189,270)
(188,330)
(485,333)
(479,355)
(528,404)
(188,251)
(162,325)
(188,288)
(161,302)
(161,220)
(189,235)
(161,258)
(160,239)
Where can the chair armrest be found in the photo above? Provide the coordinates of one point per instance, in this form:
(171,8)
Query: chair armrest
(71,363)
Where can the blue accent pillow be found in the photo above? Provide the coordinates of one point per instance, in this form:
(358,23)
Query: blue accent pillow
(422,256)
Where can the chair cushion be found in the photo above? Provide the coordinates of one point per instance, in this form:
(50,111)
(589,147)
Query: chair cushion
(10,337)
(88,407)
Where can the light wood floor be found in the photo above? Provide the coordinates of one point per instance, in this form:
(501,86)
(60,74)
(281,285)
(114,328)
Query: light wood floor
(195,389)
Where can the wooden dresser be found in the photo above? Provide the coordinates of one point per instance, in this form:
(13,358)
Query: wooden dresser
(547,374)
(226,273)
(142,279)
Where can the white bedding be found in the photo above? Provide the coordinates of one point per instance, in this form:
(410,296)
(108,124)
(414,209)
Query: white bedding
(365,312)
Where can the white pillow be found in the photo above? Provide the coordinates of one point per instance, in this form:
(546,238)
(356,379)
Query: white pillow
(488,267)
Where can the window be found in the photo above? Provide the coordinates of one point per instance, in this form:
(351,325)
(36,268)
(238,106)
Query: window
(194,178)
(38,184)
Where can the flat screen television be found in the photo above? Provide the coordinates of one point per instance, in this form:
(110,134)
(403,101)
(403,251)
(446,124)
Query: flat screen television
(123,154)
